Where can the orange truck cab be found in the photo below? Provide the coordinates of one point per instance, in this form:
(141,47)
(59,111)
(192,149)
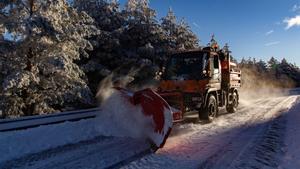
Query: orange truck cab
(200,80)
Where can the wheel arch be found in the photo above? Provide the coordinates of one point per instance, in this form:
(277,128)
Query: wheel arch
(210,91)
(232,91)
(235,90)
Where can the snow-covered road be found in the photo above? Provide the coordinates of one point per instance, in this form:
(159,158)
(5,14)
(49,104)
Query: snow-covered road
(101,152)
(251,138)
(262,134)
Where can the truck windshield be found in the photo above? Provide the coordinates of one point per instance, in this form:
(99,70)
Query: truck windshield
(186,66)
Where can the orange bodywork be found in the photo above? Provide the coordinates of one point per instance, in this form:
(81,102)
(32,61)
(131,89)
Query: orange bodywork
(188,86)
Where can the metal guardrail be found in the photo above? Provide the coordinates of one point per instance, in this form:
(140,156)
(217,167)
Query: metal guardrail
(34,121)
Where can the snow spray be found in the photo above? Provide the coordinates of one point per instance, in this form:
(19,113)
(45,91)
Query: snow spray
(124,113)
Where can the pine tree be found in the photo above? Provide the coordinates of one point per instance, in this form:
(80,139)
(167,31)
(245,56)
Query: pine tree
(243,61)
(143,39)
(107,53)
(284,61)
(289,73)
(274,73)
(179,34)
(139,11)
(169,24)
(40,74)
(142,31)
(105,13)
(186,38)
(272,63)
(262,66)
(131,5)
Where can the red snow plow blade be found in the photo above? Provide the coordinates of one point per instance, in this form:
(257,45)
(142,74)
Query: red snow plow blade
(155,108)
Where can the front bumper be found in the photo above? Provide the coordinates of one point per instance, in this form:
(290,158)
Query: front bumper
(182,102)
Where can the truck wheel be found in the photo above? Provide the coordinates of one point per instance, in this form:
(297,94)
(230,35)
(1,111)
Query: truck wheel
(209,112)
(231,108)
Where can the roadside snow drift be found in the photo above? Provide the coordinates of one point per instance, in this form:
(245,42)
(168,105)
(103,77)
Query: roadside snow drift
(143,114)
(15,144)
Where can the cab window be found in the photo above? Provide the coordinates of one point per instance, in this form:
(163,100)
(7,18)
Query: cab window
(215,65)
(216,62)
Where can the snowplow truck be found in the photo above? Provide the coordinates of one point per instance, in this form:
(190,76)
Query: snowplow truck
(200,80)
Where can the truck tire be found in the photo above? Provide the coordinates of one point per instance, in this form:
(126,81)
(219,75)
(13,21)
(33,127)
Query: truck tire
(231,108)
(209,112)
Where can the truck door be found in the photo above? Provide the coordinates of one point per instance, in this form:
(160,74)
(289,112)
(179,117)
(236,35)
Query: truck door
(215,66)
(216,73)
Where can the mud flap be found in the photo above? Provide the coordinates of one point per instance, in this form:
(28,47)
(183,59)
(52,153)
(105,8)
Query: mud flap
(155,107)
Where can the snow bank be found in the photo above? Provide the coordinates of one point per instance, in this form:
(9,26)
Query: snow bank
(291,150)
(14,144)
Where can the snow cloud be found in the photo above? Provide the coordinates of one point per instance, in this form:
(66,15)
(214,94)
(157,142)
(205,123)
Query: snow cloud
(291,22)
(269,32)
(272,43)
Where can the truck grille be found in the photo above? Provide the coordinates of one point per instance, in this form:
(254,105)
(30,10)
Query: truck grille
(192,97)
(174,101)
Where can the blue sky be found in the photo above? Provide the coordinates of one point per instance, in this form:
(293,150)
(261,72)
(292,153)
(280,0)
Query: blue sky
(253,28)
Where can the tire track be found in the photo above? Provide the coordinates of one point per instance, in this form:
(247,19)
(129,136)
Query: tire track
(101,152)
(266,149)
(249,138)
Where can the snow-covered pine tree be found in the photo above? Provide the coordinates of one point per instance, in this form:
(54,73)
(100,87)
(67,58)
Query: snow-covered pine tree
(131,5)
(143,39)
(169,24)
(107,54)
(143,36)
(180,35)
(106,13)
(40,75)
(186,39)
